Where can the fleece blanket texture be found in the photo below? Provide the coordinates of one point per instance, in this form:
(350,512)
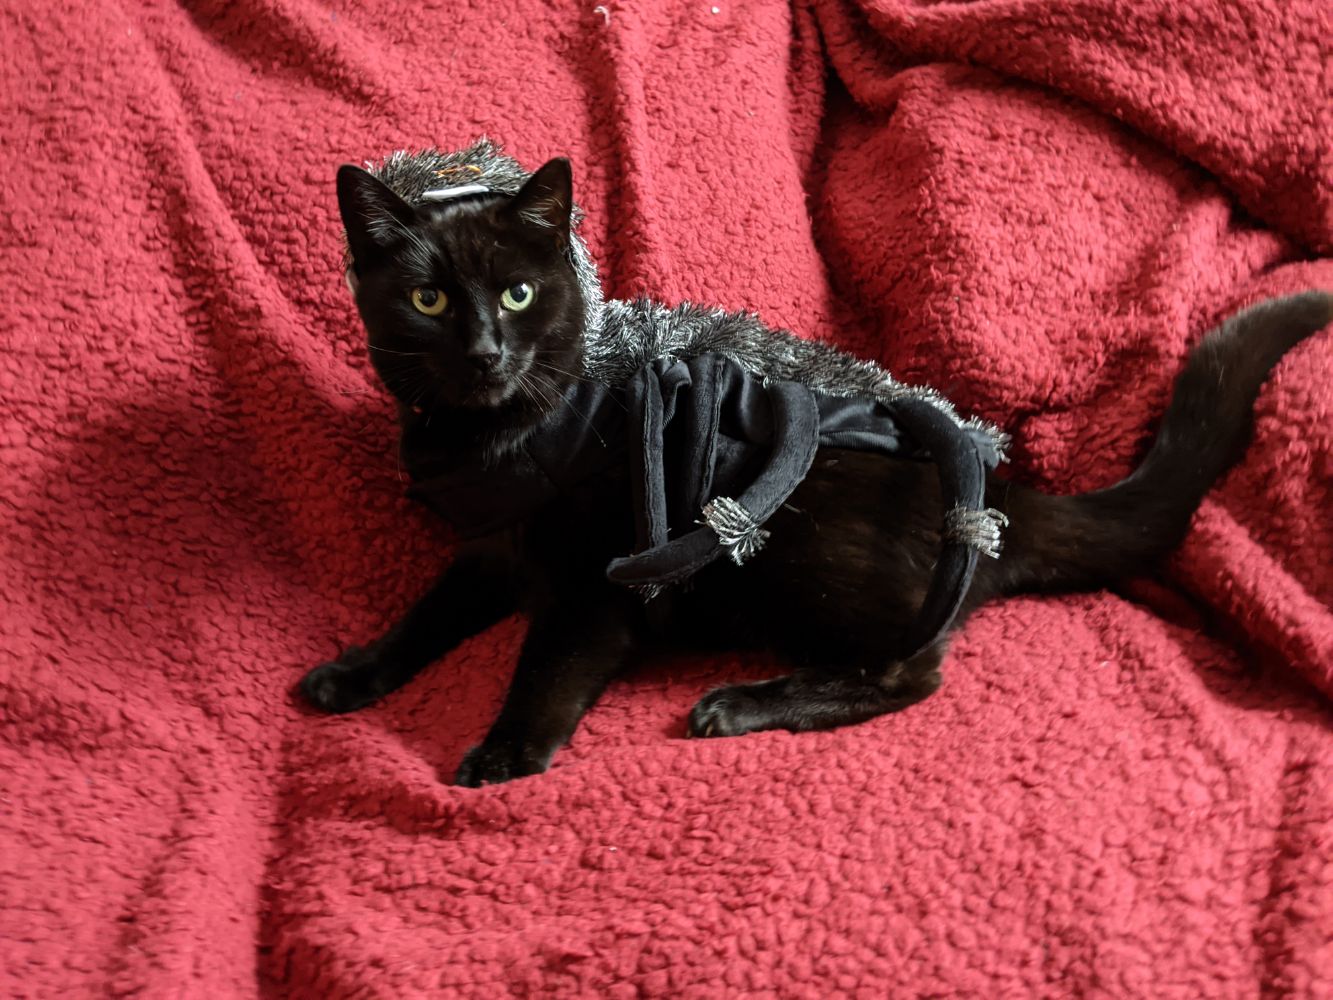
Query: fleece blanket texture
(1035,206)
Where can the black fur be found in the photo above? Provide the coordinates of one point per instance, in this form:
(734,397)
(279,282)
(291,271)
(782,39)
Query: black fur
(844,576)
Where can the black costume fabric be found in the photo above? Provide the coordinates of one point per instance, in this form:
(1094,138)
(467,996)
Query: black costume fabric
(713,452)
(717,416)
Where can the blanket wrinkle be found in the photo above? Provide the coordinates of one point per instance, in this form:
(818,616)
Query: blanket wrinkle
(1179,73)
(1036,207)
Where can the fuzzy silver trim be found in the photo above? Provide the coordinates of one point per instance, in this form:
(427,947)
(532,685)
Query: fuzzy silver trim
(634,334)
(649,591)
(1001,439)
(736,528)
(977,528)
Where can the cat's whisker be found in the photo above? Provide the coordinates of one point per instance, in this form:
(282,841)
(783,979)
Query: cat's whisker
(549,390)
(572,409)
(403,387)
(561,371)
(539,400)
(531,390)
(579,378)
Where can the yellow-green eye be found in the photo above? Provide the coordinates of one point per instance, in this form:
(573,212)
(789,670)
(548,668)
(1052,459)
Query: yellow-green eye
(430,301)
(518,297)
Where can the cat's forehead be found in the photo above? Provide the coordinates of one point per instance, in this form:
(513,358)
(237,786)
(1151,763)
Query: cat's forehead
(477,206)
(462,221)
(475,233)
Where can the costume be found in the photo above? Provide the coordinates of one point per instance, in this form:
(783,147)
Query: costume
(717,416)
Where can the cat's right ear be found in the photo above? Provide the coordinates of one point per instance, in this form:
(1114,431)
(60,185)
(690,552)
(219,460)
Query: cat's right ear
(546,198)
(373,215)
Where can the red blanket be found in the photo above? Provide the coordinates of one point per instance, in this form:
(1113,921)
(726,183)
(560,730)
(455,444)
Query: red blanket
(1034,206)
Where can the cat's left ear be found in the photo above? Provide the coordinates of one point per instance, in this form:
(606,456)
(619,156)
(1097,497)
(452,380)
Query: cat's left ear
(547,199)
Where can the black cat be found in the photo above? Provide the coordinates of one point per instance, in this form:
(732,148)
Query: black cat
(476,325)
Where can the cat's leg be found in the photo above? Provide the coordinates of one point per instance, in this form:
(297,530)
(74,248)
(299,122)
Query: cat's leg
(573,649)
(818,697)
(473,593)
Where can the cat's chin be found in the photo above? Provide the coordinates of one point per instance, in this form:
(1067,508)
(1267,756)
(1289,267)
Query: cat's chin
(507,391)
(502,393)
(490,395)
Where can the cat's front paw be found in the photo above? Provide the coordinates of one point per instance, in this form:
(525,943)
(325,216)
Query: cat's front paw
(494,762)
(344,684)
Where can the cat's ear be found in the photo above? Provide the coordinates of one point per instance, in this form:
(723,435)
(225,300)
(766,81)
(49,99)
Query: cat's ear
(547,199)
(373,215)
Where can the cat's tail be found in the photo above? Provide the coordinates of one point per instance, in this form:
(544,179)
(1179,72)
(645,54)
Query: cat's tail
(1063,543)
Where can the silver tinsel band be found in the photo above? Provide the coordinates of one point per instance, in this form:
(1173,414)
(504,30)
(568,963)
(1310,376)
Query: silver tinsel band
(977,528)
(649,591)
(737,530)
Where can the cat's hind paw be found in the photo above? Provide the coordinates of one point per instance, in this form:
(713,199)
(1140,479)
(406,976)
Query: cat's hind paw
(738,709)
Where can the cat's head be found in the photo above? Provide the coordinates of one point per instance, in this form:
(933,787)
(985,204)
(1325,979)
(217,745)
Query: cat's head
(470,303)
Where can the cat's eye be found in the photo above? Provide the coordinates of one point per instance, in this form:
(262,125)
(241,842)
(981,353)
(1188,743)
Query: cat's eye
(518,297)
(429,301)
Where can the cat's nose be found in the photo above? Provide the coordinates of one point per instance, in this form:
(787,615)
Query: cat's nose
(485,361)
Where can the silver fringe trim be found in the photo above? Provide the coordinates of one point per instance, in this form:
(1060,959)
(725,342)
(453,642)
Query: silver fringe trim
(649,591)
(977,528)
(736,528)
(1001,439)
